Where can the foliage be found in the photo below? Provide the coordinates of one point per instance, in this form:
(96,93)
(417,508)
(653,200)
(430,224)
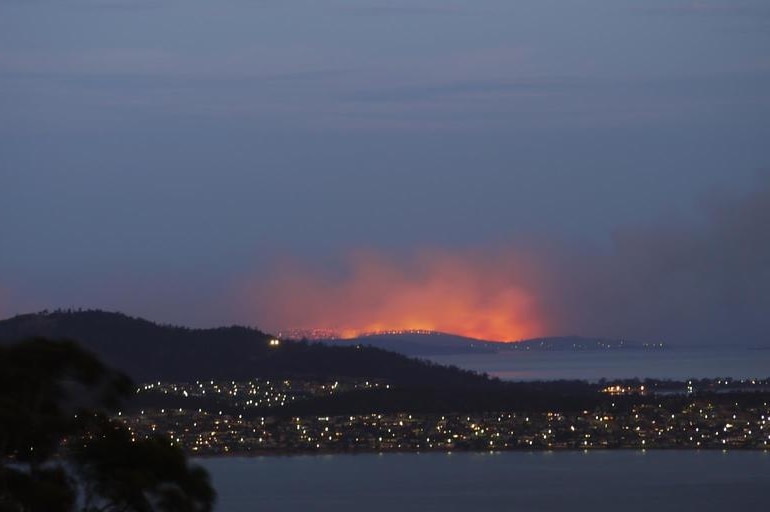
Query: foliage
(141,475)
(59,452)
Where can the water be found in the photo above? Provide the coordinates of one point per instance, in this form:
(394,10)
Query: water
(670,363)
(510,481)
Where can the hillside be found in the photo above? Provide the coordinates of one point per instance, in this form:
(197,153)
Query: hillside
(420,344)
(436,343)
(149,351)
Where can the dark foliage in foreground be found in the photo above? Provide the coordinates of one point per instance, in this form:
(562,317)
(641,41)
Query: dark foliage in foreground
(139,475)
(59,453)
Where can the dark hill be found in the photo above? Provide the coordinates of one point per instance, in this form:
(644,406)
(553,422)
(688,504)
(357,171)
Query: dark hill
(149,351)
(421,344)
(437,343)
(578,343)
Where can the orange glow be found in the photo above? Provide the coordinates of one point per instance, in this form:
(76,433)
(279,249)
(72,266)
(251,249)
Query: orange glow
(470,294)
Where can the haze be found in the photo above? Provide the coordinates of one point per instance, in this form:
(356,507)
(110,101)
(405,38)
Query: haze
(593,167)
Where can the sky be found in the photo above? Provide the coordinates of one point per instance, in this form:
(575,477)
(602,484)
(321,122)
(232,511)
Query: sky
(499,169)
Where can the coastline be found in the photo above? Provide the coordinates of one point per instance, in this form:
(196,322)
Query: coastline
(318,453)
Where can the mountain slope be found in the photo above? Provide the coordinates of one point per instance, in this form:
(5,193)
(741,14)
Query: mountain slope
(148,351)
(434,344)
(420,344)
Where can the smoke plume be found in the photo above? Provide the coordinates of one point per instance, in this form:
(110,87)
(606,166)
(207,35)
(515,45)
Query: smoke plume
(679,282)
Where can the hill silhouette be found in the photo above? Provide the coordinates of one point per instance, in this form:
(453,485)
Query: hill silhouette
(148,351)
(421,344)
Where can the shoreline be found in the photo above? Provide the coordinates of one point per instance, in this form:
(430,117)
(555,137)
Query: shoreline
(317,453)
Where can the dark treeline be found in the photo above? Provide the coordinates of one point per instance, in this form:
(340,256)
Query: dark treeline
(564,396)
(512,397)
(60,451)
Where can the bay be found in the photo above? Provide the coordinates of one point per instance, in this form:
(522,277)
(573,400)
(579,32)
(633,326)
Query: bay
(668,363)
(508,481)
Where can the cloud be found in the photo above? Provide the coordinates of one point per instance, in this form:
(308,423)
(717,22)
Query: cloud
(97,61)
(3,303)
(709,8)
(464,88)
(401,10)
(129,5)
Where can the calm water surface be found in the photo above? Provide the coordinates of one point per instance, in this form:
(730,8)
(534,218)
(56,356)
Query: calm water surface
(511,481)
(669,363)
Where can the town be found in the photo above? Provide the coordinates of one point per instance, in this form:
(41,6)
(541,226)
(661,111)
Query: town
(703,415)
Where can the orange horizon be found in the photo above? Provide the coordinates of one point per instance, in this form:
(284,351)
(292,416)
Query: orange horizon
(348,334)
(467,294)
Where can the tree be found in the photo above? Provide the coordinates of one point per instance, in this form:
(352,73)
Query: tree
(59,450)
(143,475)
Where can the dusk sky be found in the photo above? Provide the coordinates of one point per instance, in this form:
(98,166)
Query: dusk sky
(497,168)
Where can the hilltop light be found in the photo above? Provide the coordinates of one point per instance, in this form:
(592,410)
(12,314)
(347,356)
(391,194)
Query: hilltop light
(275,342)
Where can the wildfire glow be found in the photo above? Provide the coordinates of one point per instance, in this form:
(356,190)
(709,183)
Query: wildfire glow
(461,293)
